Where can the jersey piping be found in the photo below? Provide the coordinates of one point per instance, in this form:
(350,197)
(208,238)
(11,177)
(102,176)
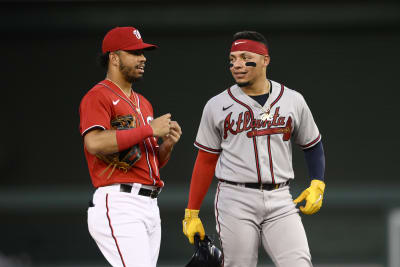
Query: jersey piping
(280,95)
(316,140)
(144,141)
(147,139)
(92,127)
(208,149)
(271,163)
(254,138)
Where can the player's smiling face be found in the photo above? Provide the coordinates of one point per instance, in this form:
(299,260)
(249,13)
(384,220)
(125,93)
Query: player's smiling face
(243,74)
(131,64)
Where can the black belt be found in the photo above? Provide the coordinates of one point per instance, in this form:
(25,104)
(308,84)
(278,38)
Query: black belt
(142,191)
(267,187)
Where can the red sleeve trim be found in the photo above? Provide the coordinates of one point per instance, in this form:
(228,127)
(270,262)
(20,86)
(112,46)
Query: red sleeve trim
(316,140)
(203,173)
(207,149)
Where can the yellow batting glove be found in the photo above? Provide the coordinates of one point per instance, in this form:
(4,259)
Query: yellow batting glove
(313,197)
(192,225)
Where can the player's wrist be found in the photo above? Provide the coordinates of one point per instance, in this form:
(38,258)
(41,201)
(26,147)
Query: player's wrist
(189,213)
(168,145)
(128,138)
(149,129)
(318,184)
(153,130)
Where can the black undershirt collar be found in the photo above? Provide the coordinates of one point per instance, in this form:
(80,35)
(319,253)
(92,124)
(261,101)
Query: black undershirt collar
(261,99)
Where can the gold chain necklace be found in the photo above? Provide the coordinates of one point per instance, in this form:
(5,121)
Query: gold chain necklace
(129,99)
(265,114)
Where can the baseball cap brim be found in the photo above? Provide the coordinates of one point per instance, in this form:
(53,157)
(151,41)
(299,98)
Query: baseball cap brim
(140,46)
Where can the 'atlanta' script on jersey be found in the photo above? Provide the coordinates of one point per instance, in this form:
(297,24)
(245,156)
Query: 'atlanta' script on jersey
(257,127)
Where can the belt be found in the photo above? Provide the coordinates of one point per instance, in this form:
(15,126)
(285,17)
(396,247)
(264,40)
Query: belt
(142,191)
(267,187)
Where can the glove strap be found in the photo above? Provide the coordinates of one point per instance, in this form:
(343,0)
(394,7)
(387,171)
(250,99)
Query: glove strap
(191,213)
(318,184)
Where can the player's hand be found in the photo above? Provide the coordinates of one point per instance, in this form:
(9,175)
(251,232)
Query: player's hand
(174,134)
(192,225)
(161,125)
(313,197)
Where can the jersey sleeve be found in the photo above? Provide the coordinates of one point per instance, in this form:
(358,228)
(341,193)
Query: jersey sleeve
(208,136)
(307,134)
(94,112)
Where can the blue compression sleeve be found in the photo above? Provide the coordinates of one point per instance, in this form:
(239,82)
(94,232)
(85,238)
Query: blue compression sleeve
(315,159)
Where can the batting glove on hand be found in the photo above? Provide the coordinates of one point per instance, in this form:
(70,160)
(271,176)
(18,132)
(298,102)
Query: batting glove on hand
(192,225)
(313,196)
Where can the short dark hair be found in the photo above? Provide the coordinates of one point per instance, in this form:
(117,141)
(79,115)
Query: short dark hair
(103,59)
(251,35)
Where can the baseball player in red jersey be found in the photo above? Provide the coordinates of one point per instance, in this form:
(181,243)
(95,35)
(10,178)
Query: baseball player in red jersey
(117,125)
(245,138)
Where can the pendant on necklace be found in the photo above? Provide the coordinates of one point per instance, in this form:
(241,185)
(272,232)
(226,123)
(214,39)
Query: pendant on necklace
(266,116)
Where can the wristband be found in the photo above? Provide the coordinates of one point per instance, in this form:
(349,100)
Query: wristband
(130,137)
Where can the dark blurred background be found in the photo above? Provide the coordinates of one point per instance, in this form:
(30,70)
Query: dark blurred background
(343,56)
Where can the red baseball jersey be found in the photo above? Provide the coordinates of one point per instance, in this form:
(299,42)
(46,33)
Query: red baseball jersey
(101,104)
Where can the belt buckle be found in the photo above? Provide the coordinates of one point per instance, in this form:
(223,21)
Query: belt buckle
(154,193)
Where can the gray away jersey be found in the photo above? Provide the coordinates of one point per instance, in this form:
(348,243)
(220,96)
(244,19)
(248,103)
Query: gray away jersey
(251,149)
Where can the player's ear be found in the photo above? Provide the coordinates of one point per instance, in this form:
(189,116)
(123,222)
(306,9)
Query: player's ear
(267,59)
(114,59)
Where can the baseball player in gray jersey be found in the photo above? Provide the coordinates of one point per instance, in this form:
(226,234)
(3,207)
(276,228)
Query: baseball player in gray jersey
(245,138)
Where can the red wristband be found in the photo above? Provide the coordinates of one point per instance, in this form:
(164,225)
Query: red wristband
(128,138)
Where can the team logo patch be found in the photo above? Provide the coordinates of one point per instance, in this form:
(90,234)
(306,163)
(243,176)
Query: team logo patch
(137,34)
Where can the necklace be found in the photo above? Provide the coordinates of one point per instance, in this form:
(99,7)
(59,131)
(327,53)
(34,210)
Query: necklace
(127,97)
(265,114)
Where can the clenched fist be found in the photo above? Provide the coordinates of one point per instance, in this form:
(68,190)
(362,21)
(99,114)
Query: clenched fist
(174,135)
(161,125)
(313,197)
(192,225)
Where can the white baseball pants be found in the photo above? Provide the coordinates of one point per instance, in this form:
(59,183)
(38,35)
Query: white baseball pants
(125,226)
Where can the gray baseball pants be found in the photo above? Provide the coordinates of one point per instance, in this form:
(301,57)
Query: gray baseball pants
(246,217)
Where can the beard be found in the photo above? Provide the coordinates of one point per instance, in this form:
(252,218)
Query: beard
(128,73)
(244,84)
